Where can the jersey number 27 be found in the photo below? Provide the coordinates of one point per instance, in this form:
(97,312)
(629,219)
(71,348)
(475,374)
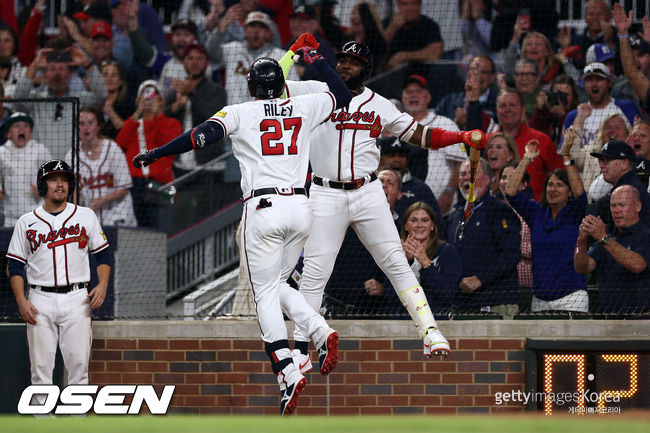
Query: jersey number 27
(273,131)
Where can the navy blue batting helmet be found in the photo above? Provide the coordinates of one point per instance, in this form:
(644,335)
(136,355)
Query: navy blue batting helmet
(265,79)
(360,52)
(50,168)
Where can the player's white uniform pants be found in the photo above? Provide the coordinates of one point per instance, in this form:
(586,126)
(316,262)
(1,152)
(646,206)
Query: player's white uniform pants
(272,240)
(368,213)
(64,321)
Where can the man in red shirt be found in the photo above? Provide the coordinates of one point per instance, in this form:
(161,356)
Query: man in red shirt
(511,113)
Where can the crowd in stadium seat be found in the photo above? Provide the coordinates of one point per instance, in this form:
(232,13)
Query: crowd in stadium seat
(522,76)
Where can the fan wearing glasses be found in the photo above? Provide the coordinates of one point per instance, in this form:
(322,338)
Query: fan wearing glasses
(527,81)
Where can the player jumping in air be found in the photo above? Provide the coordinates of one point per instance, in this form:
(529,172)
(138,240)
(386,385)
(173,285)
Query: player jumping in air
(271,139)
(345,193)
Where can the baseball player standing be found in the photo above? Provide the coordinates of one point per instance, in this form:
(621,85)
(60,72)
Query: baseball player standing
(271,140)
(344,192)
(50,245)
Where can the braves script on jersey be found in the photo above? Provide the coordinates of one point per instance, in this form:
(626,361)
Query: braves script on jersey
(354,132)
(60,242)
(271,138)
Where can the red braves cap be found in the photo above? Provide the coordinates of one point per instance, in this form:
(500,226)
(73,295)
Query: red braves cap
(415,78)
(195,45)
(101,28)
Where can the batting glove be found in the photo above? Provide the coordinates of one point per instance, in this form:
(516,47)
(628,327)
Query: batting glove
(304,40)
(467,138)
(144,159)
(309,55)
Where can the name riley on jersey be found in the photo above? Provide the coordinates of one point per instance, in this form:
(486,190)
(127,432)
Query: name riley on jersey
(277,110)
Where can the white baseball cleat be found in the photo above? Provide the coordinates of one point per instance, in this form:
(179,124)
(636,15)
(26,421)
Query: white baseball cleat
(435,343)
(301,361)
(292,383)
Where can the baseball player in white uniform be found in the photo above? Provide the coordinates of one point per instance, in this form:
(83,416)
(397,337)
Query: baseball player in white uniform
(344,192)
(50,246)
(271,141)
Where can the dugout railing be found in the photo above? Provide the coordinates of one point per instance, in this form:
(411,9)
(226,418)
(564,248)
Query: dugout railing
(203,251)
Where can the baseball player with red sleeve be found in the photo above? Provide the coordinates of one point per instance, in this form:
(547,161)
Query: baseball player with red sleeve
(271,140)
(344,191)
(50,246)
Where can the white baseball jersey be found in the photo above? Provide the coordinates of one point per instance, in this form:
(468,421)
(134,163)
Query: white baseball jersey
(55,247)
(442,162)
(593,121)
(102,176)
(18,167)
(238,58)
(351,135)
(270,138)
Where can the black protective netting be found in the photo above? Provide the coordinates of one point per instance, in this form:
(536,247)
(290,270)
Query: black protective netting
(142,73)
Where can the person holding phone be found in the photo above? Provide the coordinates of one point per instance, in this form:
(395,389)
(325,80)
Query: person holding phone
(59,60)
(148,128)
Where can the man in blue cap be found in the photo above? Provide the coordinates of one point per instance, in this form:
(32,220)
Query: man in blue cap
(617,162)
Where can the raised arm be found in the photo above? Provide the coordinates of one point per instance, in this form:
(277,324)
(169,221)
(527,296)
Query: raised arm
(575,182)
(530,154)
(335,83)
(304,40)
(638,81)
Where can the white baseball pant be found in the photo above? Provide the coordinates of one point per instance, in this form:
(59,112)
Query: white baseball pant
(272,240)
(63,321)
(368,213)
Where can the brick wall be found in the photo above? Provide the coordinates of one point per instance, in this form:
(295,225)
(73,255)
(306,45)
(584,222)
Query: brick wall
(220,366)
(373,376)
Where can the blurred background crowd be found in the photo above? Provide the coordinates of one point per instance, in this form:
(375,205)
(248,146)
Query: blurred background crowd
(572,77)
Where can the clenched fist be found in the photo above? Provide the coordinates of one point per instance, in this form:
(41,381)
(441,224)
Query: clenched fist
(144,159)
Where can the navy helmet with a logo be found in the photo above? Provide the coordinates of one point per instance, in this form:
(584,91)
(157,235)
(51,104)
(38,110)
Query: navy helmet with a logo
(360,52)
(50,168)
